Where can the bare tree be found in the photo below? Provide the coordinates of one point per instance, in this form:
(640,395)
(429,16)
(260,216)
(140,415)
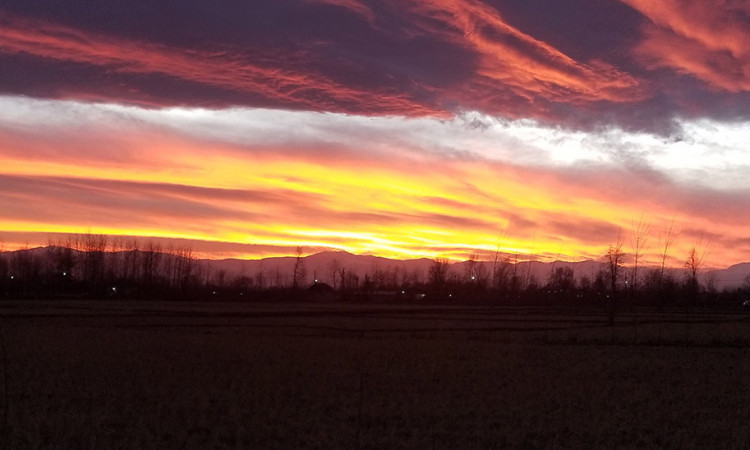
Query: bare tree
(439,271)
(615,260)
(278,279)
(561,280)
(152,258)
(498,268)
(515,277)
(482,276)
(527,281)
(4,269)
(694,264)
(299,274)
(667,240)
(260,278)
(131,260)
(403,277)
(712,286)
(94,247)
(378,276)
(185,268)
(470,268)
(63,260)
(639,241)
(114,258)
(221,276)
(501,273)
(349,280)
(746,283)
(333,271)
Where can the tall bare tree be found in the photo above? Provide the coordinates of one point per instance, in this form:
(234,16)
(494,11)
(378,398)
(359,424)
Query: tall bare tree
(260,277)
(94,247)
(151,267)
(561,280)
(131,260)
(502,273)
(694,265)
(470,268)
(333,271)
(299,273)
(4,269)
(639,241)
(615,261)
(438,272)
(668,238)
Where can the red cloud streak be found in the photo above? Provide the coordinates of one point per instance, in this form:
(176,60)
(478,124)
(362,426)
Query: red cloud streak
(222,69)
(354,6)
(530,68)
(709,39)
(511,73)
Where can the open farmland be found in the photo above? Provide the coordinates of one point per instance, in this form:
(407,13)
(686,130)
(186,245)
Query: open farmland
(208,375)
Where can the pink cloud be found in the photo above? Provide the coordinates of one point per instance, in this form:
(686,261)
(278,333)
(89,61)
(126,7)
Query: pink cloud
(503,70)
(708,39)
(511,59)
(354,6)
(219,68)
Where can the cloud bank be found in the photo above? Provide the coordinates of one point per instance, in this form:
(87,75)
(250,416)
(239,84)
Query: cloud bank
(404,129)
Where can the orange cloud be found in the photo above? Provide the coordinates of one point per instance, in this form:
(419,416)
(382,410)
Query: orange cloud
(707,39)
(355,6)
(219,68)
(532,69)
(240,196)
(457,55)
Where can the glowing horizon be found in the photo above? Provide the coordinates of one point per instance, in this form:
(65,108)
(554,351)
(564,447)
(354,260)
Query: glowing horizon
(415,204)
(460,128)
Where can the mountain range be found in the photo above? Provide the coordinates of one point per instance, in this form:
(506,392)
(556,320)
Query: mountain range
(321,266)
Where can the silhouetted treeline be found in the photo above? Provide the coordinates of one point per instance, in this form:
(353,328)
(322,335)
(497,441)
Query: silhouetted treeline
(97,266)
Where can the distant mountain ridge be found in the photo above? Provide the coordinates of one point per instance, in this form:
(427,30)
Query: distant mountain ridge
(320,266)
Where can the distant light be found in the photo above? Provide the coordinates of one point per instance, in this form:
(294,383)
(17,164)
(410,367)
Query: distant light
(403,292)
(450,295)
(12,277)
(214,292)
(316,281)
(473,277)
(114,289)
(65,274)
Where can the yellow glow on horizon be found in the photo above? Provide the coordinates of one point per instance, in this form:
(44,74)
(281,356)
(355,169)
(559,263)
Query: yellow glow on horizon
(361,205)
(391,192)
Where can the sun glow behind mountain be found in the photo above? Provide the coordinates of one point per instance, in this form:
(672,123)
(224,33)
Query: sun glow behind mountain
(462,128)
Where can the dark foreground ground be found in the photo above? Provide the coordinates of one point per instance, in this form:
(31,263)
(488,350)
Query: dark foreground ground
(197,375)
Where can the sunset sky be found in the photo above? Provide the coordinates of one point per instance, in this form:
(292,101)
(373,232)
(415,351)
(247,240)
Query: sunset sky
(398,128)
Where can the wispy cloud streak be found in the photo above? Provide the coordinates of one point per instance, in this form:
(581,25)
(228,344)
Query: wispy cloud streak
(530,68)
(707,39)
(442,189)
(248,73)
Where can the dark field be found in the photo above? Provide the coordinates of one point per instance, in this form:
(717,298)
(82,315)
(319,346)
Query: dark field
(199,375)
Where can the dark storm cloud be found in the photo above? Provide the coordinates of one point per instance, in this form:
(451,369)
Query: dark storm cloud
(583,63)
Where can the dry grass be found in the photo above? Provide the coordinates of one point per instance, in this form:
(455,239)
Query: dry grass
(137,375)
